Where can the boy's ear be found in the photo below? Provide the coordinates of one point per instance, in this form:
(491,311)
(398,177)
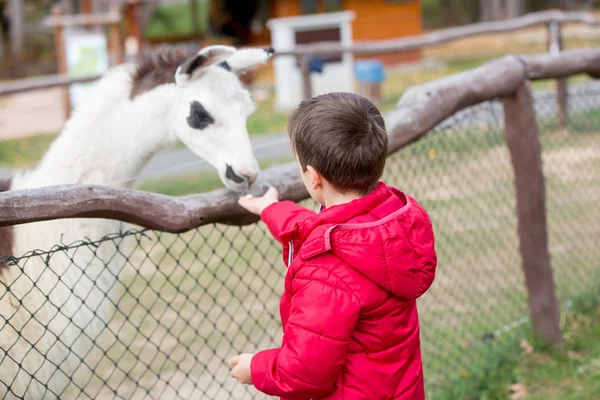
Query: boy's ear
(315,177)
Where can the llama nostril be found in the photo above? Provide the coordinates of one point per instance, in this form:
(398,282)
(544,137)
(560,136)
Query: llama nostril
(232,176)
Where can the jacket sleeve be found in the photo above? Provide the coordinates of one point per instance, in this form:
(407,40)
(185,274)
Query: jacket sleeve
(323,314)
(282,215)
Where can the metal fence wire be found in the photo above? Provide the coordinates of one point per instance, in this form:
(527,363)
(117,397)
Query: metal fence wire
(148,315)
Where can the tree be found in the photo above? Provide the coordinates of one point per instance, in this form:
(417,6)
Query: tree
(491,10)
(495,10)
(514,8)
(16,33)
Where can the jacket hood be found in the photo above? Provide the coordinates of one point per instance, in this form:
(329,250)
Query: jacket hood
(385,235)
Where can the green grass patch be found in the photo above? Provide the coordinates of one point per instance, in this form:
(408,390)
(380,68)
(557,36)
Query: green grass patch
(176,20)
(24,152)
(571,374)
(266,120)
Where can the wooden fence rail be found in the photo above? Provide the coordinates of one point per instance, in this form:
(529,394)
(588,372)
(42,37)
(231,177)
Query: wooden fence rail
(552,19)
(420,109)
(443,36)
(43,82)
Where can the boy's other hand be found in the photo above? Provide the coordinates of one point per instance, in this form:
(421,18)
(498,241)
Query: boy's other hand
(241,368)
(256,205)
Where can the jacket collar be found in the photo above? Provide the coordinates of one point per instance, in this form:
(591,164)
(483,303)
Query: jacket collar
(313,234)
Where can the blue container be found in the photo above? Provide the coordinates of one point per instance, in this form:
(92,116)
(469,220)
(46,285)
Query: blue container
(370,71)
(315,64)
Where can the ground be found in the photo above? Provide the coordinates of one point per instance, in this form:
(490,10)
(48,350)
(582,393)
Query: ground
(188,302)
(30,114)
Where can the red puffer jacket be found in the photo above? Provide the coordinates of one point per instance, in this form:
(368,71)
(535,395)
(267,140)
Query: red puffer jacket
(349,315)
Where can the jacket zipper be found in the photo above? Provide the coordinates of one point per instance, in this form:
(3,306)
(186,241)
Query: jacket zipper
(291,257)
(290,253)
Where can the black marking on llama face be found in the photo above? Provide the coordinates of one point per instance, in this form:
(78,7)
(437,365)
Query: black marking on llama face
(192,64)
(225,65)
(232,176)
(199,118)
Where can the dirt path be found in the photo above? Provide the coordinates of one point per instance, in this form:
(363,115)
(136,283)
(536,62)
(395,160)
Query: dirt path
(31,113)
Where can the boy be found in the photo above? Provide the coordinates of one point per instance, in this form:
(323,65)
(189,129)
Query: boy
(349,315)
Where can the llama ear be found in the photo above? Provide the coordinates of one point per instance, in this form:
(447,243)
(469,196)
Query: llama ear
(206,57)
(246,59)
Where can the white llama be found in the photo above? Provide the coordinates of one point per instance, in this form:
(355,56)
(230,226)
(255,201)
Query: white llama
(51,313)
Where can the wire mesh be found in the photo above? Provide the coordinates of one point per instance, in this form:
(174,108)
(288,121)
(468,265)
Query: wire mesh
(148,315)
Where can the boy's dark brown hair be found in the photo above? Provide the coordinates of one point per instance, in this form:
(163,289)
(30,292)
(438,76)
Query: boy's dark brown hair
(343,137)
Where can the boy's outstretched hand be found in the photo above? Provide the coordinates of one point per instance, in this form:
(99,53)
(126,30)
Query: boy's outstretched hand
(241,368)
(256,205)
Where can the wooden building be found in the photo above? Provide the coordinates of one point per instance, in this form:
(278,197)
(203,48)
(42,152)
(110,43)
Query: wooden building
(375,20)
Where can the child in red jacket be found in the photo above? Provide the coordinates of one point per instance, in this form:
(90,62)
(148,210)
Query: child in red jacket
(355,270)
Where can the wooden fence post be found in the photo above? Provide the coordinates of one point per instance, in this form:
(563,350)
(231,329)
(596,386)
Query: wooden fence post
(61,57)
(115,49)
(525,151)
(17,35)
(86,7)
(306,82)
(133,11)
(554,47)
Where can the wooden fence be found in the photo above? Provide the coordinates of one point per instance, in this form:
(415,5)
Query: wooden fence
(418,111)
(552,19)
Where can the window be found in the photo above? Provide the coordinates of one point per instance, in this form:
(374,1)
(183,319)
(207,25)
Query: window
(314,6)
(308,6)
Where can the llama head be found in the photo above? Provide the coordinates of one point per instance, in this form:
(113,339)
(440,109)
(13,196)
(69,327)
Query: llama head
(212,107)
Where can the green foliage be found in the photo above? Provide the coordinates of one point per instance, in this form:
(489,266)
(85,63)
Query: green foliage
(445,13)
(176,20)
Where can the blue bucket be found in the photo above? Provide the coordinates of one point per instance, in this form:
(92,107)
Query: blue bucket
(370,71)
(315,64)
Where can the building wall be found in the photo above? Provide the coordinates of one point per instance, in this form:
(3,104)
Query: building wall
(375,20)
(385,19)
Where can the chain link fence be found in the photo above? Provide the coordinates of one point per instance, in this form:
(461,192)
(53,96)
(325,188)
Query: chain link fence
(148,315)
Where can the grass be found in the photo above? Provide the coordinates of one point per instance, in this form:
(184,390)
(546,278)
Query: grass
(175,20)
(24,152)
(266,120)
(571,374)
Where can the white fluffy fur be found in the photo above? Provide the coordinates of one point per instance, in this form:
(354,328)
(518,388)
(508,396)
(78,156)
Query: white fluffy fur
(57,311)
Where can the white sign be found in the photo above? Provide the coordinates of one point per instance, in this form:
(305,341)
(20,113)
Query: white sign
(335,77)
(86,54)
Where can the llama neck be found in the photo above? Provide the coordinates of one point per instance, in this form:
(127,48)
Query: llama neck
(109,140)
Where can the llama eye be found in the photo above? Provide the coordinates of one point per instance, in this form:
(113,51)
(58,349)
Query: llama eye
(199,118)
